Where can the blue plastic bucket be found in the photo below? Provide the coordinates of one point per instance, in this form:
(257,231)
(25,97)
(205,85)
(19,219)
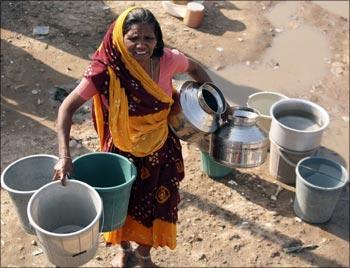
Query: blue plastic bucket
(212,168)
(319,183)
(112,176)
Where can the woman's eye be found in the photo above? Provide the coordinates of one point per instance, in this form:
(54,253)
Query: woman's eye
(133,39)
(149,38)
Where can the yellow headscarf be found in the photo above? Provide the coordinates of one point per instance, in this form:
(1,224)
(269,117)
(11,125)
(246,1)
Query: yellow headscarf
(139,135)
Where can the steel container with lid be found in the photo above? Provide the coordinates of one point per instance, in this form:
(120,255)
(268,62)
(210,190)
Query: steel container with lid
(240,142)
(201,106)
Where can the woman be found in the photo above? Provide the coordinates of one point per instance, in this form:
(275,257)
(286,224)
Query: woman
(129,79)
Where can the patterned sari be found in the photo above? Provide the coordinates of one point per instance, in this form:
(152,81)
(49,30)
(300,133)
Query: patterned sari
(130,115)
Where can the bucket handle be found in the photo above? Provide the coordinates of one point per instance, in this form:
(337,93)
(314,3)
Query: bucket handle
(289,162)
(69,176)
(101,228)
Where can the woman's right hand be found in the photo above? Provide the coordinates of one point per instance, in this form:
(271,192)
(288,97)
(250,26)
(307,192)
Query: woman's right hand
(62,169)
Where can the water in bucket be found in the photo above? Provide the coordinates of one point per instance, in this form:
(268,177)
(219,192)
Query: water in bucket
(112,176)
(262,102)
(22,178)
(297,124)
(66,220)
(319,183)
(299,120)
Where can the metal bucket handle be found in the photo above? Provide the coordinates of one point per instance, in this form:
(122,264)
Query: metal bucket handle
(289,162)
(103,214)
(101,227)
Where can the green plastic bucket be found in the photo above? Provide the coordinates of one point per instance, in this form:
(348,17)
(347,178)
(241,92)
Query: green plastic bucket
(112,176)
(212,168)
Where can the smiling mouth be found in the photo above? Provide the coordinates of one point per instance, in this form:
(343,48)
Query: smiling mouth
(141,52)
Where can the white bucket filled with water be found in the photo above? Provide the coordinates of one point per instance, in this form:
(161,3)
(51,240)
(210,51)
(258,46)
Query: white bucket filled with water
(262,102)
(298,124)
(296,131)
(66,220)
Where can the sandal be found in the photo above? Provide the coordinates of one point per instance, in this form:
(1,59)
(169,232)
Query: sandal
(145,261)
(122,256)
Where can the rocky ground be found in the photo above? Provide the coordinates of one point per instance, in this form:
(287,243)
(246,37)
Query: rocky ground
(244,219)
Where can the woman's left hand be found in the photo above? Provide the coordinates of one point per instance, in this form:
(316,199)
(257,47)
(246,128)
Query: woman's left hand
(176,107)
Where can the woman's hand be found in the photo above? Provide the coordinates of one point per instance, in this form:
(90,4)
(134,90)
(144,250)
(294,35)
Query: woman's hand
(197,71)
(62,168)
(64,122)
(175,107)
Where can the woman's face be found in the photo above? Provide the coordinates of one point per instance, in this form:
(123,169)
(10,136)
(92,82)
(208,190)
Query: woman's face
(140,41)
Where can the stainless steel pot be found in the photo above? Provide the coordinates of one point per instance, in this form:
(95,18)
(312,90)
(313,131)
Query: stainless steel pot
(240,142)
(200,112)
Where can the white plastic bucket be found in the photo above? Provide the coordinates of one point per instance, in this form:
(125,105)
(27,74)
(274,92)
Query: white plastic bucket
(66,221)
(262,101)
(298,124)
(22,178)
(319,183)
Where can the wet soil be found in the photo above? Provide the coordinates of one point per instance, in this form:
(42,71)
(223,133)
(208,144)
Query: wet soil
(300,49)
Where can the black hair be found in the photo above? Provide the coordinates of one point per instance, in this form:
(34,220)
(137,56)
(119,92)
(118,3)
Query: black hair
(144,16)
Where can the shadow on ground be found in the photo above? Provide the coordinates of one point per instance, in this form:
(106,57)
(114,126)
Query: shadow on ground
(216,23)
(73,23)
(257,230)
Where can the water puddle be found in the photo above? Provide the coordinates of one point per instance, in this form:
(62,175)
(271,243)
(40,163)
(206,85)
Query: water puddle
(282,13)
(296,59)
(340,8)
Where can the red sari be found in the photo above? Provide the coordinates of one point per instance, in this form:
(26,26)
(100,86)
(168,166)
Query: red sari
(130,115)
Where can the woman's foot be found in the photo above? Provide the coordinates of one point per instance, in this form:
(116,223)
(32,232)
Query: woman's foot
(143,256)
(122,256)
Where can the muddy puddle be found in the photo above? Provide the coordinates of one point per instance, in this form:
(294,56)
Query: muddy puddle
(297,59)
(340,8)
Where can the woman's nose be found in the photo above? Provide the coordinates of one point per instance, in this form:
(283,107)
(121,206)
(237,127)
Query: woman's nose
(140,44)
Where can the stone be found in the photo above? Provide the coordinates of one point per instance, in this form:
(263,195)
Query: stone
(41,30)
(275,254)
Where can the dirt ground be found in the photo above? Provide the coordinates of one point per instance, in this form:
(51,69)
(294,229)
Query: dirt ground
(234,221)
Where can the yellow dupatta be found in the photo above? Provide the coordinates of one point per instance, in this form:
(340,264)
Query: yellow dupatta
(139,135)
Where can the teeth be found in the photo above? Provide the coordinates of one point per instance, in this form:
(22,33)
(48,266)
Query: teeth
(141,52)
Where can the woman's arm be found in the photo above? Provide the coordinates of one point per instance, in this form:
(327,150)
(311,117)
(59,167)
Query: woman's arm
(64,123)
(197,72)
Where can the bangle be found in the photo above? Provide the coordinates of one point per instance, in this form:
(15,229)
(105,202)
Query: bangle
(64,157)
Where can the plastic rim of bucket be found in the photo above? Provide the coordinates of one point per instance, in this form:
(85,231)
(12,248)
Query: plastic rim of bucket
(9,189)
(111,188)
(36,226)
(318,107)
(329,162)
(257,94)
